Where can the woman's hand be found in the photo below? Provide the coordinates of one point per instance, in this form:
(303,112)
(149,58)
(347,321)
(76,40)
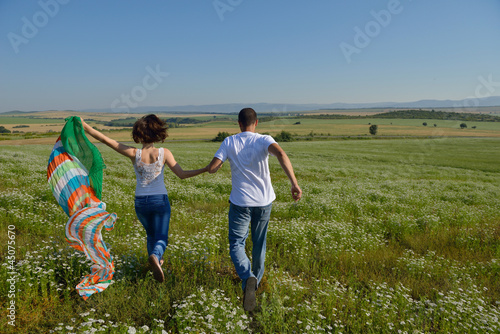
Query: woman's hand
(177,169)
(84,124)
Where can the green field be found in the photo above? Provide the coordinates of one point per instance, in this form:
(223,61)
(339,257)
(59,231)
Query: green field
(391,235)
(399,122)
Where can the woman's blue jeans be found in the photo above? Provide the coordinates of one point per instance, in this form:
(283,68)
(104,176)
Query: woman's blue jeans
(153,212)
(239,219)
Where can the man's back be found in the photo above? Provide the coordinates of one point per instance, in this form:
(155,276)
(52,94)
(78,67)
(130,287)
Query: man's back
(251,197)
(248,155)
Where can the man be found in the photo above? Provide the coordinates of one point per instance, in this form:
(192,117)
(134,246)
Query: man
(251,197)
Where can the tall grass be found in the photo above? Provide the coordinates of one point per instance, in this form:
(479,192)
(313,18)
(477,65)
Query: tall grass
(391,235)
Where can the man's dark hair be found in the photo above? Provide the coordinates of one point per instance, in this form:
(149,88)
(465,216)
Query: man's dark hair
(247,116)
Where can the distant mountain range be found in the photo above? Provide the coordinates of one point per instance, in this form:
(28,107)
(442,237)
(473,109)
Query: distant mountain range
(491,101)
(284,107)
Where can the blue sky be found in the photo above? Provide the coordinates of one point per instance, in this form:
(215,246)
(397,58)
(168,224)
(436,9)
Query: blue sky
(98,54)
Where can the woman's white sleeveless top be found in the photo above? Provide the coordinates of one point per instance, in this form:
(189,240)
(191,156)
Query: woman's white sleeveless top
(149,176)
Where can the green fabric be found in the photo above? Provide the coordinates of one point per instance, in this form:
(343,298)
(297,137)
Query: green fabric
(76,143)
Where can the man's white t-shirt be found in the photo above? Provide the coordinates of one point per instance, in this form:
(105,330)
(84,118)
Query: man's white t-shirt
(248,156)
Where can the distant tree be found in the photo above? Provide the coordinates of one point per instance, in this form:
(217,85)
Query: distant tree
(424,123)
(373,129)
(463,126)
(435,125)
(474,127)
(283,136)
(4,130)
(296,123)
(221,136)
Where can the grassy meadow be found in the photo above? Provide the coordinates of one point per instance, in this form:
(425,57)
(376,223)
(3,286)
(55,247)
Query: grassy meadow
(391,236)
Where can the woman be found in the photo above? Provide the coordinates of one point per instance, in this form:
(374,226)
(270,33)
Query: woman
(151,200)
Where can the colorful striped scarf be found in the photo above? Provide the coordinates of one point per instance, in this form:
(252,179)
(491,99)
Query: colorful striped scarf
(76,185)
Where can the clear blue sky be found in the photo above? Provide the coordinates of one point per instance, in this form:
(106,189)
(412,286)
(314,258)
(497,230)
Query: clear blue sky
(88,54)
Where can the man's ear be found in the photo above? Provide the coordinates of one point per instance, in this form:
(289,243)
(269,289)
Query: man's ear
(256,122)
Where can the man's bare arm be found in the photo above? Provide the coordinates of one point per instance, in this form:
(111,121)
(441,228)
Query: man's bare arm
(214,165)
(285,163)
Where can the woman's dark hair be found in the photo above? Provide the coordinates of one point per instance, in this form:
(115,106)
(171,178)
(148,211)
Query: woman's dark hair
(149,129)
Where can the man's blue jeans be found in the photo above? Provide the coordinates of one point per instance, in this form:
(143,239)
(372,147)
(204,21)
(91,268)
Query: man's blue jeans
(239,219)
(153,212)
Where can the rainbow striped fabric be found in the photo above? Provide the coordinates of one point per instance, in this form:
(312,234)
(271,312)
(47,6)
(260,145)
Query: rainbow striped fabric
(69,181)
(83,232)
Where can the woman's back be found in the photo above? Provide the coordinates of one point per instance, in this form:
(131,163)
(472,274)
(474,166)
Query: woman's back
(149,166)
(150,155)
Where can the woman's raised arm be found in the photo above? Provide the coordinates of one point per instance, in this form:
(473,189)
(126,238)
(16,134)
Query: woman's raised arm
(126,150)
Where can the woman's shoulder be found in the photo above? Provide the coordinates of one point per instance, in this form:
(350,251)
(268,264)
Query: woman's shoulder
(165,151)
(134,153)
(166,154)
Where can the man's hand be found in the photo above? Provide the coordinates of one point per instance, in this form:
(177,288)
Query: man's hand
(296,192)
(285,163)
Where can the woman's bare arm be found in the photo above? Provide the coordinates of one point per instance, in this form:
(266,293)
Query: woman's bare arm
(126,150)
(177,169)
